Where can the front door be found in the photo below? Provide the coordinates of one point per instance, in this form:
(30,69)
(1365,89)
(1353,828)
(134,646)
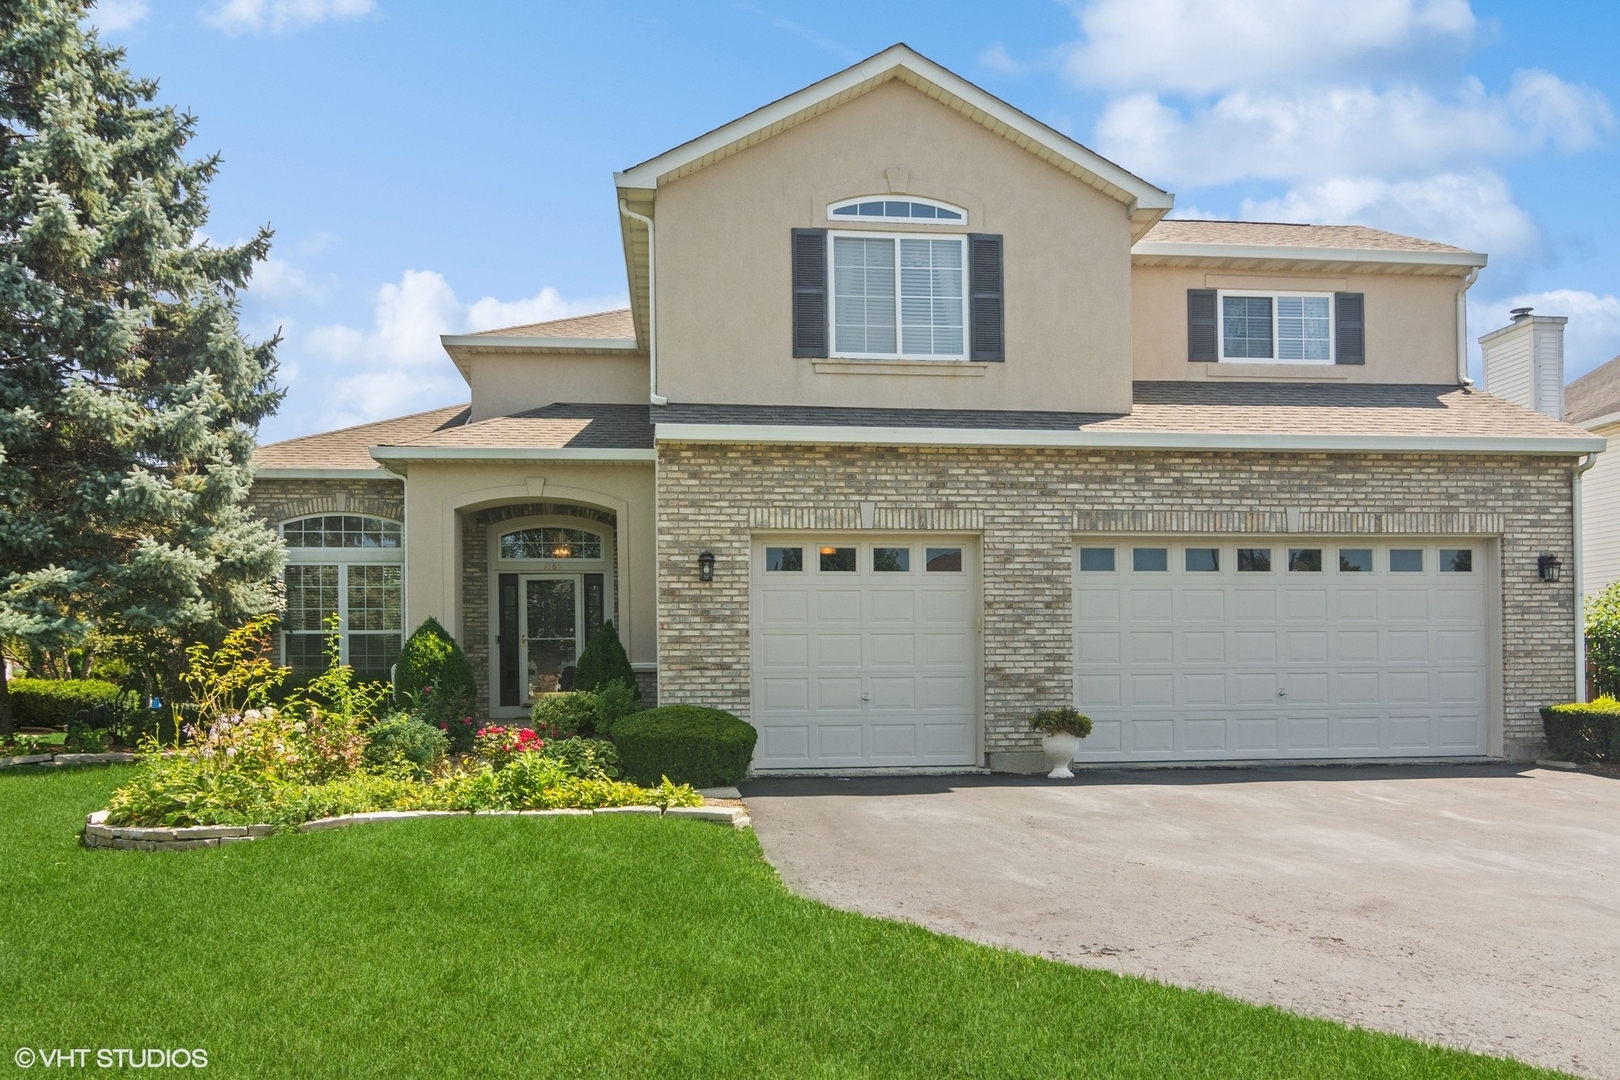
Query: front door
(552,632)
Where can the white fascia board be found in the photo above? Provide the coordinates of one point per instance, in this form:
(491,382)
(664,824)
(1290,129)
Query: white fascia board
(1125,440)
(1599,422)
(498,341)
(1275,253)
(1141,194)
(270,472)
(509,453)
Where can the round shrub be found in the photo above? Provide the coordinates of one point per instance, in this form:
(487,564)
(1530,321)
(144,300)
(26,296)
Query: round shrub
(400,738)
(566,714)
(1064,721)
(687,743)
(431,657)
(53,703)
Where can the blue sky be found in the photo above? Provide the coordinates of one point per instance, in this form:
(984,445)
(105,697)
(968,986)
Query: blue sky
(433,168)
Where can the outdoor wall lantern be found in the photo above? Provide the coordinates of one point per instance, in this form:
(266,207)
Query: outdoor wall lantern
(706,566)
(1549,567)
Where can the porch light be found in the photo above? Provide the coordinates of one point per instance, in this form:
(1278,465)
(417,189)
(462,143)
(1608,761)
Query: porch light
(1549,566)
(561,551)
(706,566)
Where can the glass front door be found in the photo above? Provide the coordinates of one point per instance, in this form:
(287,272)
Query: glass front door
(551,632)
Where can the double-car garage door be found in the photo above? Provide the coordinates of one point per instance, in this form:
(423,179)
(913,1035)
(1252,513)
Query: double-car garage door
(1263,649)
(866,651)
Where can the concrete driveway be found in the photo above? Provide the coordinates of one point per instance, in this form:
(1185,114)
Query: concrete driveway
(1477,906)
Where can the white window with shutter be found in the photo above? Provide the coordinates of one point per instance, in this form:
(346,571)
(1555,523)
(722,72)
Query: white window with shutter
(1289,328)
(899,296)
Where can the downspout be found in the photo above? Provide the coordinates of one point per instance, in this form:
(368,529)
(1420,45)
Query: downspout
(652,303)
(1462,330)
(1580,583)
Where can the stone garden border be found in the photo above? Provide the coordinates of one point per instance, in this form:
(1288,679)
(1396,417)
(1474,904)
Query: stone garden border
(111,757)
(98,834)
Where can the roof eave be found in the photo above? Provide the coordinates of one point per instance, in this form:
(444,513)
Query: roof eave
(1127,440)
(390,455)
(316,472)
(1150,251)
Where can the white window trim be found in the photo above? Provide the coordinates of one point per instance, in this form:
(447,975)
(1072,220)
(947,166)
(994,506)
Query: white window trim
(547,566)
(935,203)
(342,558)
(1273,294)
(832,295)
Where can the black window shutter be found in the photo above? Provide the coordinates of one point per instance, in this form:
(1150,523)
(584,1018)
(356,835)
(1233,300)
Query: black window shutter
(1202,332)
(809,292)
(507,639)
(987,310)
(1349,311)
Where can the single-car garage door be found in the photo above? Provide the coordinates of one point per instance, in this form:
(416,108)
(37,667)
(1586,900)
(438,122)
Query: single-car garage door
(865,652)
(1206,650)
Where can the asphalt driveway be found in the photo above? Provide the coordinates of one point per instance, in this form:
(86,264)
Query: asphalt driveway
(1477,906)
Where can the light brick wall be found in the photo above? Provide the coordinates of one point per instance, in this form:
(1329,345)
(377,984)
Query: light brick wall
(1030,501)
(278,500)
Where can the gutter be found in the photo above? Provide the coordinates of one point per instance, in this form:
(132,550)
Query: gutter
(1126,440)
(652,302)
(556,344)
(1462,330)
(274,473)
(390,454)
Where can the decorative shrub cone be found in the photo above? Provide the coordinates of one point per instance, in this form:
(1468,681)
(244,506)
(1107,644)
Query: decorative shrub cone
(604,661)
(431,657)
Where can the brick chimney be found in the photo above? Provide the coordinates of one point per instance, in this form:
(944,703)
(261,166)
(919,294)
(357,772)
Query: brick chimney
(1524,361)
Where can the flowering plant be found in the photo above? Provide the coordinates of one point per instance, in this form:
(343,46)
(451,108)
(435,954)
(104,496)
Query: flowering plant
(498,745)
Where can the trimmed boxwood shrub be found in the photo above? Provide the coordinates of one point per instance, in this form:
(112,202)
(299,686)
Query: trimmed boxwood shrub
(1583,732)
(604,662)
(402,738)
(431,657)
(687,743)
(54,703)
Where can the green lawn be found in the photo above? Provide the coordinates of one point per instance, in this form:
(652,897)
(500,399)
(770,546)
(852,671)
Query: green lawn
(513,947)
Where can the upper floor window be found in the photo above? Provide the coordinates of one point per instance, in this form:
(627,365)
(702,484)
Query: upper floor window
(1291,328)
(898,296)
(867,208)
(551,542)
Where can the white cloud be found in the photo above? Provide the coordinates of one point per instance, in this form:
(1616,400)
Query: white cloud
(277,279)
(397,365)
(1207,46)
(114,15)
(999,60)
(279,16)
(1473,210)
(1354,130)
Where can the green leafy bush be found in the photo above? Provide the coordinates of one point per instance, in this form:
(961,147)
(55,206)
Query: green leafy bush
(588,759)
(618,700)
(54,703)
(1603,639)
(401,740)
(431,657)
(1064,721)
(564,715)
(1583,732)
(688,744)
(604,662)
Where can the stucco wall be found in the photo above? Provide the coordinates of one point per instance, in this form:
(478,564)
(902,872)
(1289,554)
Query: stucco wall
(724,283)
(1411,324)
(1027,502)
(503,383)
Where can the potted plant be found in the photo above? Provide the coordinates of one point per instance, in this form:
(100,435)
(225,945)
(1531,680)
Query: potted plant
(1061,731)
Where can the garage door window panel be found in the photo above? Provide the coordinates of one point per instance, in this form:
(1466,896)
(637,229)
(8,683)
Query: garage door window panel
(891,560)
(1305,560)
(1355,560)
(1150,560)
(945,560)
(1254,560)
(1097,560)
(837,560)
(784,560)
(1406,560)
(1456,560)
(1202,560)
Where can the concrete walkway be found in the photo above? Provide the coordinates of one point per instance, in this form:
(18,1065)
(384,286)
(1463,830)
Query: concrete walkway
(1477,906)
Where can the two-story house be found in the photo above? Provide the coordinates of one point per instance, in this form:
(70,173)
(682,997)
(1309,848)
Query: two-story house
(922,418)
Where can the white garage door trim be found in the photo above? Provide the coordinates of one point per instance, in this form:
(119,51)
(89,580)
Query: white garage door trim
(865,667)
(1175,661)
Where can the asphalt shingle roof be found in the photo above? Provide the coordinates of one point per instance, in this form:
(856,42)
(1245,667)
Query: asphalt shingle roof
(604,324)
(349,448)
(1282,234)
(1595,394)
(552,427)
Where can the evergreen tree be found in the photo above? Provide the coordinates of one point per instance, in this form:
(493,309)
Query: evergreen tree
(604,662)
(129,398)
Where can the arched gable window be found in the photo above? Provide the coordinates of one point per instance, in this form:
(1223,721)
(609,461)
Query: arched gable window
(351,566)
(891,208)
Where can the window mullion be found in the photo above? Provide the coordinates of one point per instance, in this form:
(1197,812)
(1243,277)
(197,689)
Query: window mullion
(343,613)
(1276,327)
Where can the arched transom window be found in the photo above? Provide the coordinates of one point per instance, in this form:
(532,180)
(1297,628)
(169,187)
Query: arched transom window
(351,566)
(896,208)
(551,542)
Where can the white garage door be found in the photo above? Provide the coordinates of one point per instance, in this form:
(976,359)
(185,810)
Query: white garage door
(1264,649)
(864,652)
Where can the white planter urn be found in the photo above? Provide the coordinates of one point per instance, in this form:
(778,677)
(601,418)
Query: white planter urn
(1060,750)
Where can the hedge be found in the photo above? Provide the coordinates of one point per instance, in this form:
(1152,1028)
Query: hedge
(1583,732)
(687,743)
(53,703)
